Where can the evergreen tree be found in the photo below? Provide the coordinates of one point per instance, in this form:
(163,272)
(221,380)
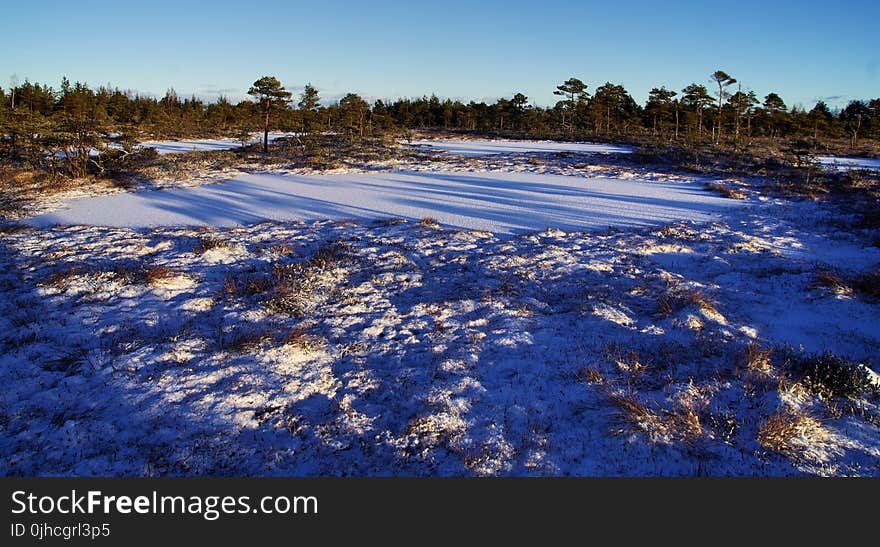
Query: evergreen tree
(308,105)
(774,111)
(575,93)
(269,93)
(696,98)
(722,80)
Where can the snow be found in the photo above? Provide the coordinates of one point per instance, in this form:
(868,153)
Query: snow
(479,147)
(846,163)
(493,345)
(201,145)
(190,145)
(497,202)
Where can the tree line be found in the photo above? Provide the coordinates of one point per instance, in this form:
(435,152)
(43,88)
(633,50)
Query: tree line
(58,127)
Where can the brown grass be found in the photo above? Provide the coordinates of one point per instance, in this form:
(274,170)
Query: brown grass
(429,222)
(676,300)
(633,416)
(282,249)
(157,274)
(684,421)
(208,243)
(590,375)
(756,360)
(301,339)
(725,191)
(61,277)
(830,280)
(242,340)
(791,431)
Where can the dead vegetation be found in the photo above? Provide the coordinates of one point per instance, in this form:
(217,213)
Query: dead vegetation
(126,273)
(865,285)
(295,286)
(429,222)
(791,432)
(677,299)
(827,279)
(681,423)
(209,243)
(300,338)
(725,191)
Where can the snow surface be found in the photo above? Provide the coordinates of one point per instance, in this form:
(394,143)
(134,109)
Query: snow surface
(502,203)
(847,163)
(479,147)
(201,145)
(422,351)
(413,350)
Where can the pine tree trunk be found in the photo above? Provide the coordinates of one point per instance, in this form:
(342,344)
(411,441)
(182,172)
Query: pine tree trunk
(266,130)
(676,121)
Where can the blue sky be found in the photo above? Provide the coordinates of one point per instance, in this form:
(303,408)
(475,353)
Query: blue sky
(470,50)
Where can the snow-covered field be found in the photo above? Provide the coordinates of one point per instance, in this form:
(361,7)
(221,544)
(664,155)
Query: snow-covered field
(523,337)
(845,163)
(201,145)
(481,147)
(503,203)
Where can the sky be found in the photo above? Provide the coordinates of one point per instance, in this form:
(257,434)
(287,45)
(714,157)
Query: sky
(803,50)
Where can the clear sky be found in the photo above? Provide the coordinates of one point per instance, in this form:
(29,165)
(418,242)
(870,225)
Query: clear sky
(804,50)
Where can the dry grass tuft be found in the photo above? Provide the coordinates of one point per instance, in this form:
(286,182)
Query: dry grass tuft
(242,340)
(244,284)
(430,222)
(830,280)
(63,276)
(685,420)
(590,375)
(634,416)
(282,249)
(157,274)
(791,432)
(208,243)
(294,285)
(679,299)
(301,339)
(756,360)
(725,191)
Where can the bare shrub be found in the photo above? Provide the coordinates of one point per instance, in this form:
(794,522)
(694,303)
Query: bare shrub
(791,431)
(296,285)
(829,376)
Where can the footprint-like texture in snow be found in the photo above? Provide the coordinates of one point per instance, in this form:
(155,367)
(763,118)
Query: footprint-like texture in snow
(503,203)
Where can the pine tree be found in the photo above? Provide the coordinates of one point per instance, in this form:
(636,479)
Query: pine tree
(659,106)
(269,93)
(723,80)
(308,105)
(696,97)
(575,93)
(774,109)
